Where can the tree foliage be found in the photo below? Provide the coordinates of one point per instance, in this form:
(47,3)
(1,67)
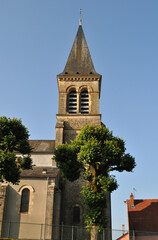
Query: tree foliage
(95,153)
(13,139)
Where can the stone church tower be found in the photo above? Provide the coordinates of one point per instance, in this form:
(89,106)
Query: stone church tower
(43,203)
(79,92)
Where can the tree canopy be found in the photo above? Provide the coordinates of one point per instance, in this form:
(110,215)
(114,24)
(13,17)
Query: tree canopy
(94,154)
(13,139)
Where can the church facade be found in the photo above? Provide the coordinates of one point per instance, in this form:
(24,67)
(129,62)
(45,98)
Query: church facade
(42,203)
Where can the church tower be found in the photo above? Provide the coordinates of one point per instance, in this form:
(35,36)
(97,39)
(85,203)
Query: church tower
(79,92)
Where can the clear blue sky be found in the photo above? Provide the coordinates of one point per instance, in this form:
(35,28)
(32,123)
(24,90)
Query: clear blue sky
(35,40)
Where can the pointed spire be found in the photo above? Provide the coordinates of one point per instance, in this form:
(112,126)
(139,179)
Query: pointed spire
(79,60)
(80,22)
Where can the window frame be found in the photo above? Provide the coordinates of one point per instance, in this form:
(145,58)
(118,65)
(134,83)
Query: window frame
(25,200)
(31,197)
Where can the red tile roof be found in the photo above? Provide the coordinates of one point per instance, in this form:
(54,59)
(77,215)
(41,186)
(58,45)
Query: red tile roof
(124,237)
(144,215)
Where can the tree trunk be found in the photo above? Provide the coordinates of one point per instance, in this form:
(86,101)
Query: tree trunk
(94,232)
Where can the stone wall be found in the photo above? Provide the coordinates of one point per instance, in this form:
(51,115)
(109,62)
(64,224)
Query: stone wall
(3,194)
(91,84)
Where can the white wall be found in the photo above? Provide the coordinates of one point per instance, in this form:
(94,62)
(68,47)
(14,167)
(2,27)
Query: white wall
(42,159)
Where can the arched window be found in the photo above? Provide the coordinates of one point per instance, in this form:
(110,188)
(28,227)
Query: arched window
(76,214)
(72,102)
(25,197)
(84,102)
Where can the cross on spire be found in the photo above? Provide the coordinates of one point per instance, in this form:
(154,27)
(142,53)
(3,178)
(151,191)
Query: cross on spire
(80,22)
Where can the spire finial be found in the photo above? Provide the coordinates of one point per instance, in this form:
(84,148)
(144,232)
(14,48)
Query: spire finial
(80,22)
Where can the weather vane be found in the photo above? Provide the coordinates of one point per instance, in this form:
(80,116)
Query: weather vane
(80,22)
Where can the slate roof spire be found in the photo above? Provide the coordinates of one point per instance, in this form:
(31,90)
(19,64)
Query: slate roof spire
(79,60)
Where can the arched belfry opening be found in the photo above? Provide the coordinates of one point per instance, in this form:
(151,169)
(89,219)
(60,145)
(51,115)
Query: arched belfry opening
(84,102)
(72,101)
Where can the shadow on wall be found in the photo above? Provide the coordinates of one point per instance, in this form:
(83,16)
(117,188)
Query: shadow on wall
(11,220)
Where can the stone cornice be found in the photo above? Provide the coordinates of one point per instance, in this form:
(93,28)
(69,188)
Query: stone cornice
(79,79)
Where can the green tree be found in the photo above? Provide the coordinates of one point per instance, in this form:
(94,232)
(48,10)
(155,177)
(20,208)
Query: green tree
(94,154)
(13,139)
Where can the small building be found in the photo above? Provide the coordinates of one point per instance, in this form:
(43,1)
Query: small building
(142,219)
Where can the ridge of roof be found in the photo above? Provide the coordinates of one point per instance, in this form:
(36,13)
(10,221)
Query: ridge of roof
(140,204)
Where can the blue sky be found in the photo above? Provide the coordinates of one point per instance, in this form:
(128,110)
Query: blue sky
(36,37)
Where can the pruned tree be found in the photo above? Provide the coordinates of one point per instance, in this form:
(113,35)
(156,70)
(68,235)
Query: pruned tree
(94,154)
(13,139)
